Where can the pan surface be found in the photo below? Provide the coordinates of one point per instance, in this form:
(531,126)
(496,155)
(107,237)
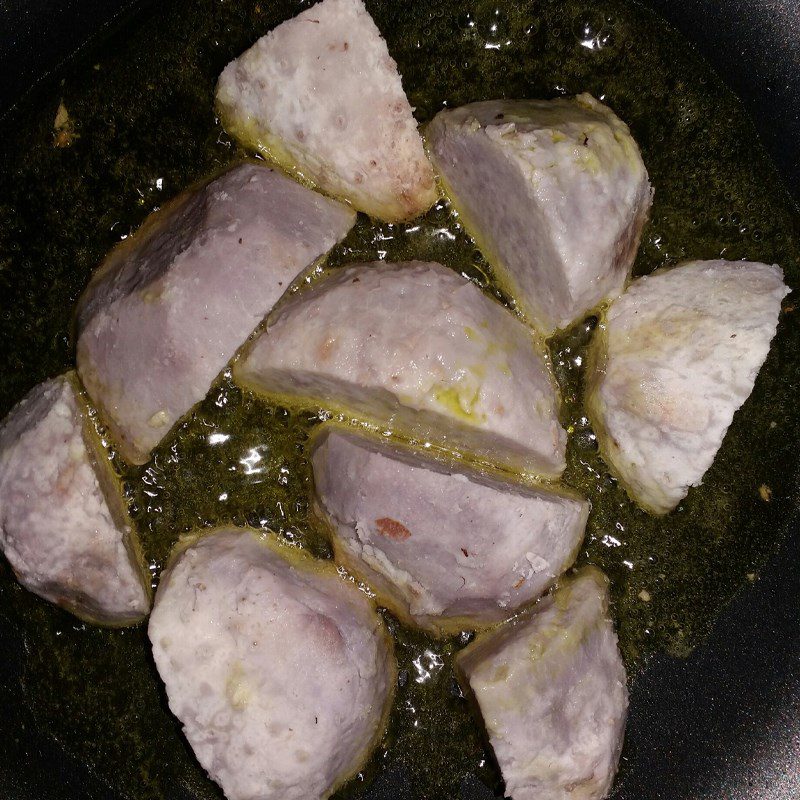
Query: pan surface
(711,715)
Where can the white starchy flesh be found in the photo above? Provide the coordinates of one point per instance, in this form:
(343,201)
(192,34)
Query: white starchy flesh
(279,669)
(63,525)
(551,688)
(322,96)
(419,348)
(555,194)
(678,355)
(171,305)
(444,549)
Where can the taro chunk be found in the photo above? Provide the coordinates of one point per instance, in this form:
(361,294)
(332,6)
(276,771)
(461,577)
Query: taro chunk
(417,347)
(677,356)
(280,670)
(555,194)
(551,689)
(444,549)
(321,95)
(171,305)
(63,523)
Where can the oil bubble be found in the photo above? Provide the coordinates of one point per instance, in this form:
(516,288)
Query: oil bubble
(426,666)
(465,21)
(591,30)
(532,27)
(495,30)
(491,29)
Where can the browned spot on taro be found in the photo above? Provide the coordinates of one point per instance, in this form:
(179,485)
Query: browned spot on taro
(519,583)
(464,551)
(65,477)
(393,529)
(324,632)
(62,139)
(326,348)
(571,787)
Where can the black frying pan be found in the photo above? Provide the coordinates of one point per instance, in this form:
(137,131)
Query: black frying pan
(722,724)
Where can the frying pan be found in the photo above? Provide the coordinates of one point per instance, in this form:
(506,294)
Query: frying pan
(723,723)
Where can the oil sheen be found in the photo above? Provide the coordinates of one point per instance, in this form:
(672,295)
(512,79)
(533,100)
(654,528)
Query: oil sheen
(139,127)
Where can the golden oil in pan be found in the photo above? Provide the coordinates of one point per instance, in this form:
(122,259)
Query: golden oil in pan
(141,127)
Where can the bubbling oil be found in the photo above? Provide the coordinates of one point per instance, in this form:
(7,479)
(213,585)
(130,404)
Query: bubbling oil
(143,128)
